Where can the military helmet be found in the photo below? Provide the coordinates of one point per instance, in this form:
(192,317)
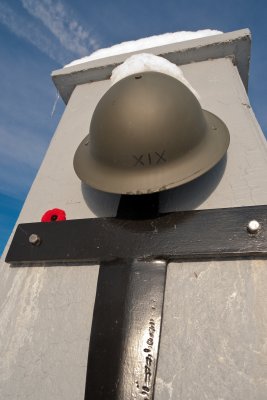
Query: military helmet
(149,133)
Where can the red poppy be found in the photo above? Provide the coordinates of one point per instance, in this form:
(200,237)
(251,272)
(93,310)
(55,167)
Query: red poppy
(54,215)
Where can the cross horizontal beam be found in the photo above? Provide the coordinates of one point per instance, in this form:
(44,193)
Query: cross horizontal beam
(189,235)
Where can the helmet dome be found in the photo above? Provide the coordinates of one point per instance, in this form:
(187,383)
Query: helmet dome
(149,133)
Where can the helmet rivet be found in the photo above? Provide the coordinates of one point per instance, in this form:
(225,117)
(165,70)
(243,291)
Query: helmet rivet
(34,239)
(253,226)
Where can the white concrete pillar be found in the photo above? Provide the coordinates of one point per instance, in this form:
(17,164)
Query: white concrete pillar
(213,343)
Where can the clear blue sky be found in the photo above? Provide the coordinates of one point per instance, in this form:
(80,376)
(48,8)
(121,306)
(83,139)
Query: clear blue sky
(38,36)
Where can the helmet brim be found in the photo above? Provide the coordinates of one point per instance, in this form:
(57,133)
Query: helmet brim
(184,169)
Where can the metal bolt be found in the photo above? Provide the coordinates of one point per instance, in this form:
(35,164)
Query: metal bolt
(34,239)
(253,226)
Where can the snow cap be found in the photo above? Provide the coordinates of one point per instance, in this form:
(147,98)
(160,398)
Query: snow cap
(139,63)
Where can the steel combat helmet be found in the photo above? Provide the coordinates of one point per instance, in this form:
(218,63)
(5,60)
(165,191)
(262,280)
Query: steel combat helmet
(149,133)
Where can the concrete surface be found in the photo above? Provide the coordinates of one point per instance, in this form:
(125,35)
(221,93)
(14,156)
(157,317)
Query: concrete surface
(214,337)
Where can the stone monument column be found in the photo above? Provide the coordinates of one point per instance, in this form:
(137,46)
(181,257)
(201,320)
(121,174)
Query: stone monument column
(213,341)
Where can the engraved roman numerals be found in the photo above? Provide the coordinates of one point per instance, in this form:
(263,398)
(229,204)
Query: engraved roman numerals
(153,158)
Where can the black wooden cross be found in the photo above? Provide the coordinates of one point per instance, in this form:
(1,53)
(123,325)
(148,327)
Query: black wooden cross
(133,251)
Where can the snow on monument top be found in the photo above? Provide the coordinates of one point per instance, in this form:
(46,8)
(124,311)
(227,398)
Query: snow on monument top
(145,43)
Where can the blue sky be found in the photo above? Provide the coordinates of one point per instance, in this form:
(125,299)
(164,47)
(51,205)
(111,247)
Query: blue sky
(39,36)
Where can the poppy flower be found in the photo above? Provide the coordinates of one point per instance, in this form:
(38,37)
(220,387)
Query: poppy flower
(54,215)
